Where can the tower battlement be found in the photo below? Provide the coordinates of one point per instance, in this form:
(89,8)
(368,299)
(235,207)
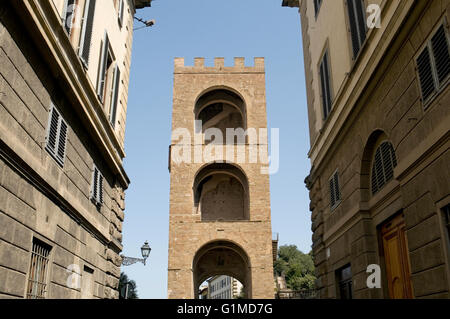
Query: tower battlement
(219,66)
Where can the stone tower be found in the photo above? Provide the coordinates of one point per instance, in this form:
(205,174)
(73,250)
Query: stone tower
(219,201)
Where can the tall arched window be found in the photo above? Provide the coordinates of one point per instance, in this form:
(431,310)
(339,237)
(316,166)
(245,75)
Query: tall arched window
(383,166)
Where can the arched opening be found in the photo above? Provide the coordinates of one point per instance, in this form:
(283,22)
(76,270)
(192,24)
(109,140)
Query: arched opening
(221,109)
(366,162)
(221,193)
(216,263)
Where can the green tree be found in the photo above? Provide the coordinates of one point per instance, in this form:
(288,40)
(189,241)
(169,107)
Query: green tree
(297,267)
(132,287)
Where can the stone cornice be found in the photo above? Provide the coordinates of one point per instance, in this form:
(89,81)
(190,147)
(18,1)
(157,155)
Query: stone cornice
(41,18)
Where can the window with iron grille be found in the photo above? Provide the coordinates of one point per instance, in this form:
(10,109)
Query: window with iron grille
(37,278)
(325,83)
(383,166)
(56,139)
(433,64)
(357,19)
(317,5)
(97,187)
(335,194)
(344,279)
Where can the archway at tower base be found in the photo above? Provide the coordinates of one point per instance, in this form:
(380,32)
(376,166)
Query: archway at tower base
(222,258)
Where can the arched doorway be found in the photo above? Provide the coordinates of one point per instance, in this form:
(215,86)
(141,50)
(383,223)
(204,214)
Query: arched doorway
(222,258)
(377,174)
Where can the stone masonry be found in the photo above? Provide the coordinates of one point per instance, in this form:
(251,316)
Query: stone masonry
(199,248)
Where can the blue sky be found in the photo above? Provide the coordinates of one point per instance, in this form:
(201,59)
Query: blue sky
(210,28)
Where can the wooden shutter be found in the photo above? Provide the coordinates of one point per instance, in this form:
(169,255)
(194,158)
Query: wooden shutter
(86,32)
(100,189)
(383,166)
(326,85)
(389,160)
(361,20)
(353,27)
(94,191)
(53,130)
(332,198)
(97,187)
(439,44)
(425,70)
(102,69)
(335,194)
(115,96)
(57,136)
(121,11)
(357,19)
(62,138)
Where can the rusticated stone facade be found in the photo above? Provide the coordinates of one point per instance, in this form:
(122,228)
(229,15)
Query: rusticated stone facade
(379,106)
(219,210)
(55,241)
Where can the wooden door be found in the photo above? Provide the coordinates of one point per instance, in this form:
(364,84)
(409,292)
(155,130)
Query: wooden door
(397,258)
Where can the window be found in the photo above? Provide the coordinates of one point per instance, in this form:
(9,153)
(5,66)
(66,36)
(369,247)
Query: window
(86,32)
(317,5)
(383,166)
(433,64)
(115,97)
(357,19)
(446,215)
(97,187)
(37,277)
(108,81)
(79,12)
(325,83)
(335,194)
(104,67)
(69,15)
(344,278)
(121,11)
(56,139)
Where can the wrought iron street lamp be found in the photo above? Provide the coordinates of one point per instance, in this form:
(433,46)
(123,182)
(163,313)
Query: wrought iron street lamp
(146,23)
(145,250)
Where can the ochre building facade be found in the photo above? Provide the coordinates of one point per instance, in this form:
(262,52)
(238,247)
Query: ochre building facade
(63,98)
(377,77)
